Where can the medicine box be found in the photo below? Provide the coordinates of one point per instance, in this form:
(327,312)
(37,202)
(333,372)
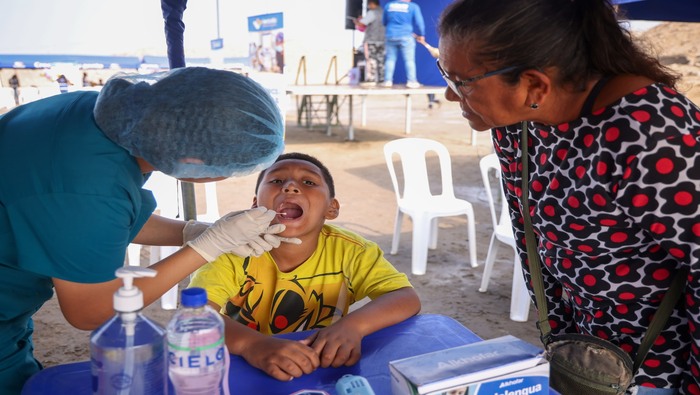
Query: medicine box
(502,366)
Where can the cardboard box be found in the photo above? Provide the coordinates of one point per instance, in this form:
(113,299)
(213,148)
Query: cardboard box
(502,366)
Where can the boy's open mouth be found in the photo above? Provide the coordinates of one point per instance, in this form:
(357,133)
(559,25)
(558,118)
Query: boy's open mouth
(289,211)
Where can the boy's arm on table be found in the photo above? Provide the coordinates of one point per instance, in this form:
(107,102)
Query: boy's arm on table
(280,358)
(340,344)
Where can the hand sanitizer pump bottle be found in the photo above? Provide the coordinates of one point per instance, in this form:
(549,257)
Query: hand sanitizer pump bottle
(128,352)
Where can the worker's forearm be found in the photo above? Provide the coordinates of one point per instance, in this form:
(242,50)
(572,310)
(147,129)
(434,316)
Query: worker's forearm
(160,231)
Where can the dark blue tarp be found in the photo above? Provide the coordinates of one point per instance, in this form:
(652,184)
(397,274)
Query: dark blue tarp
(652,10)
(661,10)
(174,30)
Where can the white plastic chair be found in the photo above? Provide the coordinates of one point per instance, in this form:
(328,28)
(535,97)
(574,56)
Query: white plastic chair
(49,90)
(416,200)
(7,98)
(503,232)
(166,191)
(212,203)
(27,94)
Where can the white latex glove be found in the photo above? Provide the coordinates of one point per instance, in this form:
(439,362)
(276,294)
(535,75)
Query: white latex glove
(243,233)
(271,237)
(193,229)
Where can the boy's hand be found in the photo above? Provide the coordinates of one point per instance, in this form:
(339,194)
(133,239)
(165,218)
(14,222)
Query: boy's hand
(336,345)
(282,359)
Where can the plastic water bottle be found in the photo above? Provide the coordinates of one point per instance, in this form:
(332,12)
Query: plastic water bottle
(128,352)
(196,349)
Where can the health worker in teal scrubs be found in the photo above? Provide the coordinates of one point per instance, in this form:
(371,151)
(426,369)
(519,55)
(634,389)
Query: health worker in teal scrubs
(72,168)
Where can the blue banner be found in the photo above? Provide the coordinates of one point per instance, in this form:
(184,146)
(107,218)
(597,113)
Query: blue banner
(259,23)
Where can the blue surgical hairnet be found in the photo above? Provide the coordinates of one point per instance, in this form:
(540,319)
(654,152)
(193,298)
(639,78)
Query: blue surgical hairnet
(193,122)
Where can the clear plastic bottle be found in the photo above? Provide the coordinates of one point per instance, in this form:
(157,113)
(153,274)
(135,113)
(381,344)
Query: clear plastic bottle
(197,352)
(128,352)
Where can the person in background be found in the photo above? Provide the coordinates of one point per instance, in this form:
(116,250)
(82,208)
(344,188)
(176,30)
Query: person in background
(63,83)
(14,84)
(309,286)
(72,167)
(266,59)
(373,42)
(86,80)
(614,177)
(253,56)
(279,52)
(400,17)
(433,101)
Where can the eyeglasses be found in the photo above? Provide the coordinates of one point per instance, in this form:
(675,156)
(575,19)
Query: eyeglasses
(463,87)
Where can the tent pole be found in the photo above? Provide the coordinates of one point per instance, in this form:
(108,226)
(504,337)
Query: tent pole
(174,37)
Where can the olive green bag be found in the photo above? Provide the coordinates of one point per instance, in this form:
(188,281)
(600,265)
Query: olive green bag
(585,364)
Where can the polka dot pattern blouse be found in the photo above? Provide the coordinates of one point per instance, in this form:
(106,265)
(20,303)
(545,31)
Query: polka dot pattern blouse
(614,199)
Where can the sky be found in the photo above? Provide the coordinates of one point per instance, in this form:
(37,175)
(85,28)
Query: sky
(127,27)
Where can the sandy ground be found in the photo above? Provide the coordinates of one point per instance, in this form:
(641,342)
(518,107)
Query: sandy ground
(368,207)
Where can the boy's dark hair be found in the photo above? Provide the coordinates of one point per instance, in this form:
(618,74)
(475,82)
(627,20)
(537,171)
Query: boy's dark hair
(307,158)
(373,2)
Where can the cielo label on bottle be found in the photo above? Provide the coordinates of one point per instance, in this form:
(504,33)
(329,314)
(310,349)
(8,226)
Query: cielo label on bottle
(196,358)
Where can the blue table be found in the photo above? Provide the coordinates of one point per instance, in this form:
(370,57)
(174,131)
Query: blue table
(418,335)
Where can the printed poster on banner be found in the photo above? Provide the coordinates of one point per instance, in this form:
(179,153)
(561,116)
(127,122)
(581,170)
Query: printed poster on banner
(266,54)
(266,44)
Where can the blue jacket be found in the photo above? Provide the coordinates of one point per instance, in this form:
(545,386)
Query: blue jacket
(400,17)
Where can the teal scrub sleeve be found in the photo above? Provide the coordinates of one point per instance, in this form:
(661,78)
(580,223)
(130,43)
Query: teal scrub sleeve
(75,237)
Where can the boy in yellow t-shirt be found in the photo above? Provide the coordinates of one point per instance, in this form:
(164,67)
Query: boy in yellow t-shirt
(297,287)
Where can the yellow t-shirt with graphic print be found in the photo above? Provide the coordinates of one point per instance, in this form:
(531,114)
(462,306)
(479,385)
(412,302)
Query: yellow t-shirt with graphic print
(344,268)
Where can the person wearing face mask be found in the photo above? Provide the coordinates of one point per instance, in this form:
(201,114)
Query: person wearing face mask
(72,168)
